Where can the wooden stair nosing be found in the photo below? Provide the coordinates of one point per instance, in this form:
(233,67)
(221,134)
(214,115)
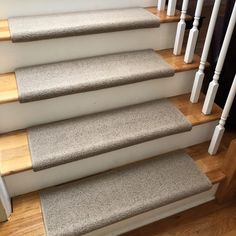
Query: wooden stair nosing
(5,34)
(14,148)
(8,85)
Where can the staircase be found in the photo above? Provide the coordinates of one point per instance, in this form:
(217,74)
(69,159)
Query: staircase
(97,130)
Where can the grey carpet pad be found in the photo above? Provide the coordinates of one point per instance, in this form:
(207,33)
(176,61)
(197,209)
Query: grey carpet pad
(52,80)
(95,202)
(30,28)
(74,139)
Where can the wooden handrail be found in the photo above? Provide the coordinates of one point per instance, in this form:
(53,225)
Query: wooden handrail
(227,189)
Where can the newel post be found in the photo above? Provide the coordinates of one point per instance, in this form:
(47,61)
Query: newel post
(227,189)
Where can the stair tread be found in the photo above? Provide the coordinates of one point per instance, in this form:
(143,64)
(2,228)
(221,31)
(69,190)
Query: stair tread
(30,222)
(57,79)
(33,28)
(14,146)
(78,138)
(9,91)
(5,34)
(112,196)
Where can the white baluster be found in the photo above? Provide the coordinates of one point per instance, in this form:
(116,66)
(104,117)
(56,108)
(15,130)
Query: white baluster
(199,76)
(5,202)
(213,86)
(171,7)
(179,37)
(219,130)
(161,5)
(193,35)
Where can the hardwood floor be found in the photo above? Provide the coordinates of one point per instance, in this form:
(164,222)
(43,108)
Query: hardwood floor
(210,219)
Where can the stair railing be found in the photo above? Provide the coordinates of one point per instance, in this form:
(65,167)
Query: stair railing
(219,130)
(213,86)
(193,34)
(161,5)
(199,76)
(179,38)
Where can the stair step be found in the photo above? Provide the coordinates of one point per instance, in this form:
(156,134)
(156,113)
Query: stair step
(14,146)
(104,199)
(70,140)
(31,221)
(53,80)
(10,93)
(27,28)
(32,28)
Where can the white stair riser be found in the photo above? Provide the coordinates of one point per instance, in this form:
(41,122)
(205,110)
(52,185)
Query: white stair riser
(34,7)
(17,115)
(156,214)
(29,181)
(53,50)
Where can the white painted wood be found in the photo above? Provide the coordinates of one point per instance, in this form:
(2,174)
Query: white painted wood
(33,7)
(5,202)
(219,130)
(161,5)
(156,214)
(29,181)
(197,85)
(213,86)
(16,116)
(46,51)
(171,7)
(179,38)
(193,35)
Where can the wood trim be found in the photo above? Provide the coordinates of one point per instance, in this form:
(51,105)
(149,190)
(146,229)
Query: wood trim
(5,34)
(8,85)
(227,189)
(167,19)
(14,148)
(4,31)
(8,88)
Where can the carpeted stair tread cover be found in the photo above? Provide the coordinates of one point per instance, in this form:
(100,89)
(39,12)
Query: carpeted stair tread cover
(64,78)
(98,201)
(30,28)
(74,139)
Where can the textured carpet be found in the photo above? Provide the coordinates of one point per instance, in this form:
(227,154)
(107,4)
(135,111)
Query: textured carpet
(52,80)
(89,204)
(30,28)
(74,139)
